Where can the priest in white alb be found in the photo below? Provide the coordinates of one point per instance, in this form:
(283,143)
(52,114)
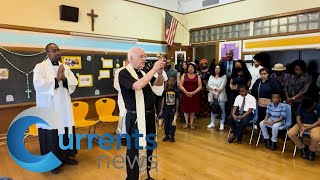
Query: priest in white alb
(54,82)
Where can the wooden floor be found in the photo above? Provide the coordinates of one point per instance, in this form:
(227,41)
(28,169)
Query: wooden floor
(196,154)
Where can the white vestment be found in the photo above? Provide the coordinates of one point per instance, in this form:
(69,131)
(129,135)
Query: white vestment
(57,100)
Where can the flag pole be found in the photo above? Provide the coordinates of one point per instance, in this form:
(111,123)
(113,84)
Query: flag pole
(180,23)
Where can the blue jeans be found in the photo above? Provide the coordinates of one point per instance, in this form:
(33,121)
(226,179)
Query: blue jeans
(275,130)
(223,113)
(168,116)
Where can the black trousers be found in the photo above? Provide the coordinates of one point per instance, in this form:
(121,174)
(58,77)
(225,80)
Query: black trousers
(168,116)
(238,127)
(49,141)
(158,104)
(131,126)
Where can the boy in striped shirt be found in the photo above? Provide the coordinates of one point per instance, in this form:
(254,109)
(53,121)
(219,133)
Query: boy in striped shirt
(276,113)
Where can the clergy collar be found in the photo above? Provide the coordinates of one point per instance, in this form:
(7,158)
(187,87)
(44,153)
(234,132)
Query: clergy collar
(56,63)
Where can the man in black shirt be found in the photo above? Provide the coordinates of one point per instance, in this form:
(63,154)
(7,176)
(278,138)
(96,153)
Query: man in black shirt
(132,81)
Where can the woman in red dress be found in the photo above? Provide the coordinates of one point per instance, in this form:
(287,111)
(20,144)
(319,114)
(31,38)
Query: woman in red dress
(190,85)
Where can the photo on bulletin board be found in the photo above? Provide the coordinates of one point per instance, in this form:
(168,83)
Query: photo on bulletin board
(180,56)
(85,80)
(107,63)
(74,62)
(4,74)
(235,46)
(104,74)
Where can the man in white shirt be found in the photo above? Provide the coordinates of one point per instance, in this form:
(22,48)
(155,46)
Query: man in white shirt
(242,113)
(254,70)
(54,82)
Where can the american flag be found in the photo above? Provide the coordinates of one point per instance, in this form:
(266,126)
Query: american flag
(170,28)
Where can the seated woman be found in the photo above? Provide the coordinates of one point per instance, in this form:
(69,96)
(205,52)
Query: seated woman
(308,119)
(276,113)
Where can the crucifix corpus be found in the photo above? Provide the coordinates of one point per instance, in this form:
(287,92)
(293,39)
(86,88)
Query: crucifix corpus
(92,15)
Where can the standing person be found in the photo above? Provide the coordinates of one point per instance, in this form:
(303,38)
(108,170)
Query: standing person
(190,85)
(170,70)
(262,90)
(204,74)
(228,63)
(169,109)
(297,84)
(217,86)
(121,129)
(254,70)
(280,76)
(240,76)
(54,82)
(139,101)
(318,86)
(183,69)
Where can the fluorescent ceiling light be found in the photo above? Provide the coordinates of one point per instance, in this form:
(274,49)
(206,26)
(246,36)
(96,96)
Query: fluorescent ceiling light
(107,37)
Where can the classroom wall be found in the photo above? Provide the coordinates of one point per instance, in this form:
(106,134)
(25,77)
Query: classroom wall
(116,17)
(247,9)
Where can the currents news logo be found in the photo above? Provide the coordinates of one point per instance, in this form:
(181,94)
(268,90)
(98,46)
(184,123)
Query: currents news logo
(49,161)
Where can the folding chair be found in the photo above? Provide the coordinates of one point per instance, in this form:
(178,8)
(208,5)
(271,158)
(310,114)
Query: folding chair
(253,122)
(80,111)
(32,131)
(105,108)
(286,126)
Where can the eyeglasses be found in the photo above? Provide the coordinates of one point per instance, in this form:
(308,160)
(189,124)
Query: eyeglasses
(54,50)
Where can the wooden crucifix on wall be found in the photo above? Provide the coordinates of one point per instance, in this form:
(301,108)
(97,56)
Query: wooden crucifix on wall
(92,15)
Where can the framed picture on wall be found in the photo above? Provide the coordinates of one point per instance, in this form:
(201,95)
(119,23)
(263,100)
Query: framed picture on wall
(74,62)
(235,46)
(85,80)
(180,56)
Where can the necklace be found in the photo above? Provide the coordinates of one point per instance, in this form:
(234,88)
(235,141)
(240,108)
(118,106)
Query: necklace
(28,91)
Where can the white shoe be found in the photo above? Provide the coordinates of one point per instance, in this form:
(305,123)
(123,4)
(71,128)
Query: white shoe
(255,127)
(221,127)
(211,125)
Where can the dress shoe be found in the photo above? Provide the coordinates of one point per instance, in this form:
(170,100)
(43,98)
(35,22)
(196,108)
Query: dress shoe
(69,161)
(273,145)
(267,143)
(56,170)
(305,152)
(312,155)
(232,138)
(172,139)
(165,139)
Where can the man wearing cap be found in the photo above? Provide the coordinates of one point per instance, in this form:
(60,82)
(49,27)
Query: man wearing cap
(280,76)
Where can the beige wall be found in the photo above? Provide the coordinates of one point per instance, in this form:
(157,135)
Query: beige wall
(116,17)
(121,18)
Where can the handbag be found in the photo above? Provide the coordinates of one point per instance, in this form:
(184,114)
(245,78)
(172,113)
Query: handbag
(215,108)
(263,102)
